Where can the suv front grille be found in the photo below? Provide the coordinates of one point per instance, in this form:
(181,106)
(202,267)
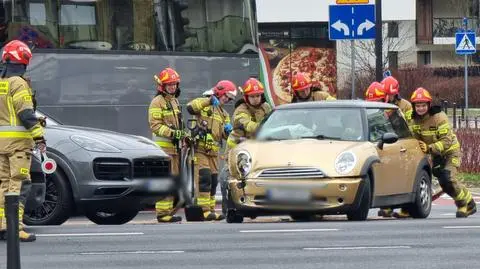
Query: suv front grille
(111,168)
(151,167)
(297,172)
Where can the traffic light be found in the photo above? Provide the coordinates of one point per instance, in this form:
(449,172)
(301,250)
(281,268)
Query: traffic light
(177,31)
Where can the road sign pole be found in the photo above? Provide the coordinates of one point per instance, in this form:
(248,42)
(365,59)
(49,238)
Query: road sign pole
(352,44)
(466,86)
(378,41)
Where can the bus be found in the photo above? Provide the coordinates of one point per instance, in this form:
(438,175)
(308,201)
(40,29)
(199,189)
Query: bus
(94,60)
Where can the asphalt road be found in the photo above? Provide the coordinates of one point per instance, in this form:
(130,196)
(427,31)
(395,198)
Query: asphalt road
(441,241)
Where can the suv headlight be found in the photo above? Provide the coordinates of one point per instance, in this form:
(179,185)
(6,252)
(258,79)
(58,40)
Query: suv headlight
(92,144)
(244,163)
(345,162)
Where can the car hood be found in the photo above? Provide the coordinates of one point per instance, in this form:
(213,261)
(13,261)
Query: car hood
(305,153)
(118,140)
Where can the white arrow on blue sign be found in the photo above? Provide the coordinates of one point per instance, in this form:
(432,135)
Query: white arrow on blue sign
(465,42)
(351,22)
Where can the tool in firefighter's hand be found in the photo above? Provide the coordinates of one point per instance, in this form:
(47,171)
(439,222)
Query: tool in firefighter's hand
(193,212)
(48,165)
(43,121)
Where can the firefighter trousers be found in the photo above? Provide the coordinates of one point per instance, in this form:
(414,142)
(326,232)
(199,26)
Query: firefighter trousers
(14,177)
(165,206)
(206,174)
(445,168)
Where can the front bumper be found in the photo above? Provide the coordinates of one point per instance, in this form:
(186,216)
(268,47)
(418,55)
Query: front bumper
(278,196)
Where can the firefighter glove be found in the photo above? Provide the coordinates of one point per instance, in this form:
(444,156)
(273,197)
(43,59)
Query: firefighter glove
(423,146)
(214,101)
(41,145)
(228,128)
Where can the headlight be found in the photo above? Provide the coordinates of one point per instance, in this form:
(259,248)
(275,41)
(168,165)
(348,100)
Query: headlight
(146,141)
(92,144)
(244,163)
(345,162)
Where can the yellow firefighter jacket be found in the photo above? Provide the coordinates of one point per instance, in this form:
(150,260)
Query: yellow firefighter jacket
(316,95)
(18,124)
(164,116)
(213,120)
(434,129)
(246,119)
(406,108)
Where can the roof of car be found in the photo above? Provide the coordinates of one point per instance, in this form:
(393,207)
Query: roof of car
(338,104)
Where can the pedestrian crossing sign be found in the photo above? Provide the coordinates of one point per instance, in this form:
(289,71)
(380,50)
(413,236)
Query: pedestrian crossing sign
(465,43)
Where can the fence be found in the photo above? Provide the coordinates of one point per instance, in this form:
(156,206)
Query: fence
(460,120)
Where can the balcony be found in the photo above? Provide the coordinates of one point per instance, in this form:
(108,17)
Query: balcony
(444,29)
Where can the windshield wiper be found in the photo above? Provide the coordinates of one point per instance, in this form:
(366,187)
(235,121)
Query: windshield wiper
(320,137)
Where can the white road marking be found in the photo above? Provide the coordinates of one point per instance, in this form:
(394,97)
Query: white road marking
(88,234)
(288,231)
(134,252)
(358,248)
(448,214)
(461,227)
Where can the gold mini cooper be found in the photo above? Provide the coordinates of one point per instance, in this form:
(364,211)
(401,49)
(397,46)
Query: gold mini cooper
(327,158)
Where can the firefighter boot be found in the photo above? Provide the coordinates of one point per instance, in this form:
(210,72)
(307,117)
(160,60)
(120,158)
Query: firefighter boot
(403,214)
(385,212)
(24,236)
(164,208)
(213,202)
(465,204)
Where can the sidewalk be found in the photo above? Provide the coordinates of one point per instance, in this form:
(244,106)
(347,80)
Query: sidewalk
(475,191)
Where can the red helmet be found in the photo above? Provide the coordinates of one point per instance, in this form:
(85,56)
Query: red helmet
(300,82)
(375,92)
(420,95)
(16,51)
(225,87)
(390,85)
(167,76)
(251,87)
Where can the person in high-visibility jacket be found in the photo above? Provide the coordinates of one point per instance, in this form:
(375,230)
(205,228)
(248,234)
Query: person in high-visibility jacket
(215,124)
(20,131)
(431,126)
(391,88)
(304,92)
(165,119)
(249,112)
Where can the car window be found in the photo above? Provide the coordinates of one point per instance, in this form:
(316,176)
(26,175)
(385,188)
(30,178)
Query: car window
(332,123)
(378,123)
(399,125)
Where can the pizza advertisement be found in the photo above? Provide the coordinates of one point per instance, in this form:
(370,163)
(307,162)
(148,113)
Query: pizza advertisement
(285,51)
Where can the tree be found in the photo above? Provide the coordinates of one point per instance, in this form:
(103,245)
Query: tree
(402,45)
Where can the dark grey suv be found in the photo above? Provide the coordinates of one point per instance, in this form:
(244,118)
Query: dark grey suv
(106,176)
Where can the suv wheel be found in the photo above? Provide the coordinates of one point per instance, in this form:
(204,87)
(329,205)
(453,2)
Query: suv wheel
(111,218)
(58,204)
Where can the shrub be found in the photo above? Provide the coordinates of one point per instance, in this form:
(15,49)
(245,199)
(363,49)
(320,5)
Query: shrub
(469,139)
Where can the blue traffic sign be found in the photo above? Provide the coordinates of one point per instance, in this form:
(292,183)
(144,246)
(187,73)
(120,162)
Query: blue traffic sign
(465,43)
(351,22)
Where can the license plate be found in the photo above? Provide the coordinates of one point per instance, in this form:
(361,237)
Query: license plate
(289,195)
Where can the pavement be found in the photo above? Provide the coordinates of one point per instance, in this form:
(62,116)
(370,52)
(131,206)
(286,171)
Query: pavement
(440,241)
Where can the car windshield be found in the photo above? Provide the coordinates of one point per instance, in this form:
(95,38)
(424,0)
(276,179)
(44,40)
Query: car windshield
(50,121)
(319,123)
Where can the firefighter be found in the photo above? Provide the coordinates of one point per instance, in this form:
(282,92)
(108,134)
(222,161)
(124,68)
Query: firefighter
(215,124)
(165,121)
(375,93)
(430,125)
(249,112)
(20,131)
(391,87)
(304,92)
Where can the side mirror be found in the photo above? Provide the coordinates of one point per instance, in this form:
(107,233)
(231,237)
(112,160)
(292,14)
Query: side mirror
(387,138)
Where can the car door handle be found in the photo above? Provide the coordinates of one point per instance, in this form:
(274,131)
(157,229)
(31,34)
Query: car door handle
(403,150)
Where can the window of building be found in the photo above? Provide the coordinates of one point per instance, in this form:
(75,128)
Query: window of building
(392,59)
(424,58)
(226,26)
(392,29)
